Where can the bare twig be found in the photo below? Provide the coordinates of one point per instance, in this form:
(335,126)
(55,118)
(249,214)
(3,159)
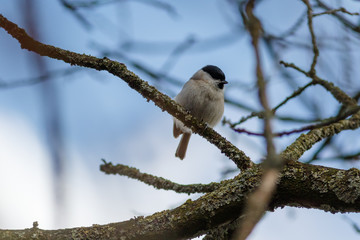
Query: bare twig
(261,114)
(258,201)
(279,134)
(157,182)
(312,70)
(342,20)
(346,113)
(332,11)
(338,94)
(293,95)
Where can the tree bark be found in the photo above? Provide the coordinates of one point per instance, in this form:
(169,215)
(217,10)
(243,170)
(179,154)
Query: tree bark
(301,185)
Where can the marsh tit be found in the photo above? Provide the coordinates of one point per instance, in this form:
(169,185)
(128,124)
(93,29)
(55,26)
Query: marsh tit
(203,97)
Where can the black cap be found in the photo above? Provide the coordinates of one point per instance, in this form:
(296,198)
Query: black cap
(214,72)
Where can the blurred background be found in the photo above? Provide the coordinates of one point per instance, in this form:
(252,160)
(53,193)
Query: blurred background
(58,121)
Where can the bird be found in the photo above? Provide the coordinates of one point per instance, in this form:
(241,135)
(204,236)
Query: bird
(203,97)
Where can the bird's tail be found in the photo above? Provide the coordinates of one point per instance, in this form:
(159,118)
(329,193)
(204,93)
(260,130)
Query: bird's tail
(181,149)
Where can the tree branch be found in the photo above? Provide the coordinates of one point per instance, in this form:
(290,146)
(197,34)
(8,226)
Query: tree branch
(342,115)
(157,182)
(333,11)
(258,201)
(338,94)
(261,114)
(348,24)
(147,91)
(301,185)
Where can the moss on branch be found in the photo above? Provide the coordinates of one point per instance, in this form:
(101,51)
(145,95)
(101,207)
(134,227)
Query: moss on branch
(157,182)
(300,185)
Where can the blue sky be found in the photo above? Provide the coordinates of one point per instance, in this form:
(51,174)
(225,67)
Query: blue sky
(103,118)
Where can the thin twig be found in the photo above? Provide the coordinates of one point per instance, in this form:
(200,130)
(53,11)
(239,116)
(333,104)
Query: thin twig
(261,113)
(156,182)
(338,94)
(255,30)
(279,134)
(258,201)
(333,11)
(312,70)
(348,112)
(340,17)
(293,95)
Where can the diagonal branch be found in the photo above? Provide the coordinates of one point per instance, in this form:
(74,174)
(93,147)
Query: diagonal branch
(346,113)
(348,24)
(260,114)
(333,11)
(147,91)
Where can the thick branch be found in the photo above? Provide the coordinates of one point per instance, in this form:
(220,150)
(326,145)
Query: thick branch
(147,91)
(300,185)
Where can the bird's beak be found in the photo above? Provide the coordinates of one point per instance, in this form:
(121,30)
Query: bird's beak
(224,82)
